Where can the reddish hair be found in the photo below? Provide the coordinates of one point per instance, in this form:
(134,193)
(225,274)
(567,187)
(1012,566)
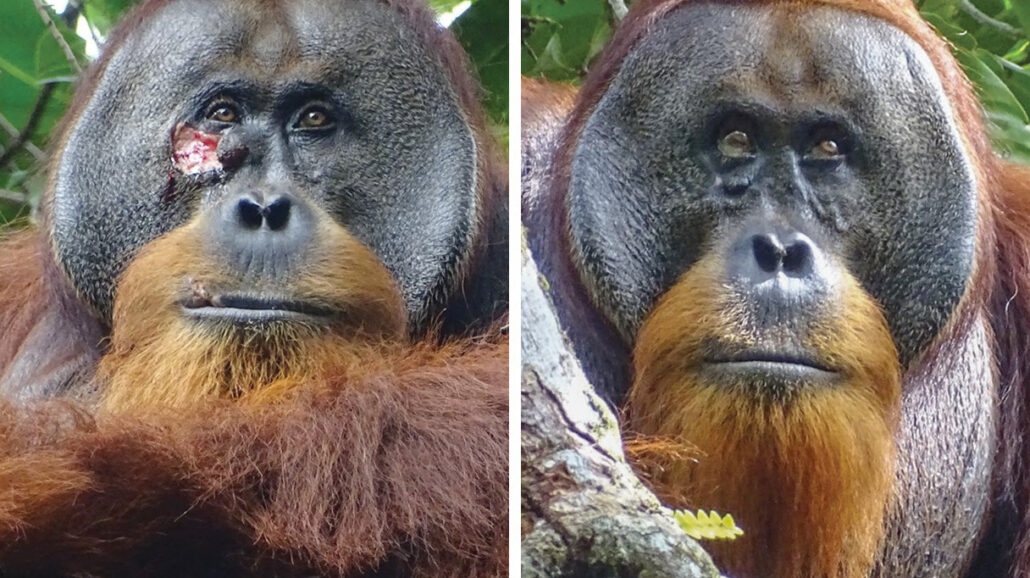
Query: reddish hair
(396,463)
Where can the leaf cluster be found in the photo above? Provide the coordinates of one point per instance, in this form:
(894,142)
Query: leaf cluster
(991,39)
(560,38)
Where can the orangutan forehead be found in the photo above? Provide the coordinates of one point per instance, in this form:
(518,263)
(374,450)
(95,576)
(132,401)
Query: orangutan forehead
(279,36)
(776,52)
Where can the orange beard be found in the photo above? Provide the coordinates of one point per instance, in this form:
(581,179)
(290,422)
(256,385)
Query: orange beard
(159,358)
(808,475)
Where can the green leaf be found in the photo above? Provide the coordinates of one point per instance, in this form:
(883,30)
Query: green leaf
(996,96)
(560,39)
(51,59)
(443,6)
(11,211)
(1015,77)
(1021,8)
(551,61)
(105,14)
(483,31)
(1011,136)
(958,36)
(945,9)
(1019,52)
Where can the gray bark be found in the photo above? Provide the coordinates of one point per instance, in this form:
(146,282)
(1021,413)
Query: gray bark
(584,511)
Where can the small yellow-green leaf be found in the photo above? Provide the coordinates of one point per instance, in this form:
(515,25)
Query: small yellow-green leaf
(707,525)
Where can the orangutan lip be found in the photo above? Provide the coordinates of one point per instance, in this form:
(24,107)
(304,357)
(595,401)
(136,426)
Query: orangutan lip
(760,361)
(249,309)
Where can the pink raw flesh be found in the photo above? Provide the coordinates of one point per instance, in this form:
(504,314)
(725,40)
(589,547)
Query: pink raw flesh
(193,151)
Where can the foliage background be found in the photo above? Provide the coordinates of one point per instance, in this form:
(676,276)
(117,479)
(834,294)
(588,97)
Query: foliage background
(41,56)
(560,38)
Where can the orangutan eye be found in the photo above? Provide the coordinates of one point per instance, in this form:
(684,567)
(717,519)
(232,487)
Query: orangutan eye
(315,117)
(223,111)
(825,149)
(736,144)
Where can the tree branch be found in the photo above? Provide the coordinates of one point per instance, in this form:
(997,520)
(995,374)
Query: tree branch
(976,14)
(13,197)
(68,53)
(30,126)
(13,131)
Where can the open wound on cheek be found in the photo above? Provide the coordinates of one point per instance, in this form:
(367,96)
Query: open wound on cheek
(194,151)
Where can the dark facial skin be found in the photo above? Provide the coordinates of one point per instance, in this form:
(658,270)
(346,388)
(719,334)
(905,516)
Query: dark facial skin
(330,104)
(833,128)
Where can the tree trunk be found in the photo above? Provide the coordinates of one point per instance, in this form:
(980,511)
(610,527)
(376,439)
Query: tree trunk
(584,511)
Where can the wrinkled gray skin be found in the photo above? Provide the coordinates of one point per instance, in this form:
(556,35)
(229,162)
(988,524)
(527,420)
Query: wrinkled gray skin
(650,193)
(398,171)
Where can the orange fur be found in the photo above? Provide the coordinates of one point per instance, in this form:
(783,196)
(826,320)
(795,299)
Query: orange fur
(21,282)
(46,339)
(807,477)
(182,361)
(394,465)
(347,451)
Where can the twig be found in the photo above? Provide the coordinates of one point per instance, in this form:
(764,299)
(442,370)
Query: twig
(45,15)
(30,126)
(14,197)
(12,130)
(975,13)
